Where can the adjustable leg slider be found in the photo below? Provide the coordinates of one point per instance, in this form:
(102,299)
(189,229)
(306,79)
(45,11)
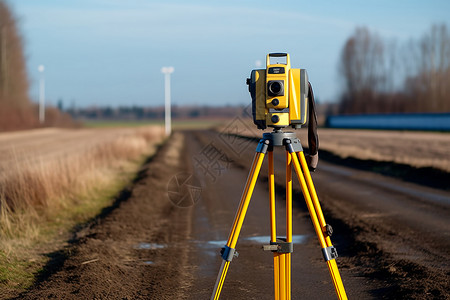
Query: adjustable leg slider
(228,253)
(329,253)
(279,247)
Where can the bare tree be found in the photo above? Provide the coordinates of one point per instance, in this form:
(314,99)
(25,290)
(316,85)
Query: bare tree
(381,76)
(434,67)
(13,78)
(16,110)
(362,68)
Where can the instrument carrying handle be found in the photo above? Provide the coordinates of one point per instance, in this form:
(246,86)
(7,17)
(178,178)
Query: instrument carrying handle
(277,54)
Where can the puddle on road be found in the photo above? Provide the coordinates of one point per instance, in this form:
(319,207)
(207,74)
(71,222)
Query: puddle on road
(149,262)
(216,243)
(149,246)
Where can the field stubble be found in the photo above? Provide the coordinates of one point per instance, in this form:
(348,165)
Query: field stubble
(418,149)
(52,179)
(414,148)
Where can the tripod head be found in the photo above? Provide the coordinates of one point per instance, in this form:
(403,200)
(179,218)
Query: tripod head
(278,137)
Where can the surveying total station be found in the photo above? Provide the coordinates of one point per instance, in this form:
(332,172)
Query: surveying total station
(282,97)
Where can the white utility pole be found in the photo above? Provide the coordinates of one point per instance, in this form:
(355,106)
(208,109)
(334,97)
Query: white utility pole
(41,94)
(167,71)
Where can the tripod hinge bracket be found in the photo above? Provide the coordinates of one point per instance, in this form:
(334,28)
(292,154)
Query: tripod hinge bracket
(292,145)
(228,253)
(263,145)
(279,247)
(329,253)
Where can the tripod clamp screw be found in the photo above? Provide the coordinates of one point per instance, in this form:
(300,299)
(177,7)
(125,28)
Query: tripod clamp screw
(328,230)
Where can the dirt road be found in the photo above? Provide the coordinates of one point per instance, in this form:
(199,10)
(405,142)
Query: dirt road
(156,243)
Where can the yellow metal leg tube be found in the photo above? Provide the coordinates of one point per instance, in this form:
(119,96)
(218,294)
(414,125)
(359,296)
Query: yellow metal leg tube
(313,194)
(220,280)
(288,222)
(309,204)
(238,220)
(276,273)
(282,270)
(337,281)
(332,266)
(288,276)
(246,195)
(273,226)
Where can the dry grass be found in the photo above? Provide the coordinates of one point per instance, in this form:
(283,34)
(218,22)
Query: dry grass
(33,193)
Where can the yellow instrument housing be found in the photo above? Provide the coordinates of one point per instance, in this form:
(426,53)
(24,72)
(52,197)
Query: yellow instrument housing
(289,103)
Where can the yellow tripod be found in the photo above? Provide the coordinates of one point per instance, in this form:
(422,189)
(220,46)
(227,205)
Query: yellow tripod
(282,248)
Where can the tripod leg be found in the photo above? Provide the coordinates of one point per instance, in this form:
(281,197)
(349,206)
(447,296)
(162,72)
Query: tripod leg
(282,269)
(229,249)
(220,279)
(282,261)
(288,222)
(317,218)
(332,266)
(312,192)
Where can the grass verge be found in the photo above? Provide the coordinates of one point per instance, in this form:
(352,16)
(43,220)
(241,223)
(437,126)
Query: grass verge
(176,124)
(40,204)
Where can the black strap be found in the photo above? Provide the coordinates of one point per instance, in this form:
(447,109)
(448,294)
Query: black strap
(313,138)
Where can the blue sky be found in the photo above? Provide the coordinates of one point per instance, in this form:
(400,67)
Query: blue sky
(110,52)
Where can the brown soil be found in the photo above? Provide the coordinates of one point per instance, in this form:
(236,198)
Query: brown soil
(392,244)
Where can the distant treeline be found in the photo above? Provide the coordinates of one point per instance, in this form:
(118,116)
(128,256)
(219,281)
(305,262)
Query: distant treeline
(16,109)
(384,76)
(147,113)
